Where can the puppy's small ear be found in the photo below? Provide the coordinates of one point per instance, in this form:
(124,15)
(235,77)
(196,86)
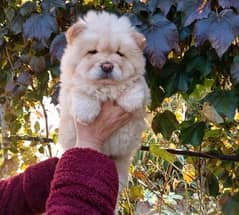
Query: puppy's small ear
(140,39)
(73,31)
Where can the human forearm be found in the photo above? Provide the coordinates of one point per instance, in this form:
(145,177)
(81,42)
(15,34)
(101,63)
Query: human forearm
(26,193)
(85,182)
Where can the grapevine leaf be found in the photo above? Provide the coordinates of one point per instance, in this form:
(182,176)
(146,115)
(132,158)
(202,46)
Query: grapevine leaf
(230,206)
(10,14)
(193,133)
(3,32)
(163,153)
(136,192)
(165,5)
(37,64)
(225,102)
(157,93)
(219,29)
(55,94)
(134,19)
(16,24)
(165,123)
(24,78)
(194,10)
(189,173)
(10,86)
(152,5)
(229,4)
(27,8)
(235,68)
(174,78)
(40,27)
(162,37)
(57,46)
(212,185)
(14,89)
(51,4)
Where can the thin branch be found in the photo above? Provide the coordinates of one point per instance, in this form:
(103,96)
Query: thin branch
(9,58)
(46,126)
(210,155)
(4,128)
(30,138)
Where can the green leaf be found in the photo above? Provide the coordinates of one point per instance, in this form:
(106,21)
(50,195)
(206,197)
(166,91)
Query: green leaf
(192,133)
(162,153)
(212,185)
(230,206)
(235,68)
(201,90)
(37,127)
(174,78)
(10,14)
(41,150)
(16,24)
(136,192)
(224,101)
(164,123)
(198,65)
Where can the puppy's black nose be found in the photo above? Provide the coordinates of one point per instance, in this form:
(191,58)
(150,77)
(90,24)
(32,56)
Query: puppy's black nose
(107,67)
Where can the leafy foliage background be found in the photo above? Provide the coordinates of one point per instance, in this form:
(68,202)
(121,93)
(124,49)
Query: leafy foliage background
(189,159)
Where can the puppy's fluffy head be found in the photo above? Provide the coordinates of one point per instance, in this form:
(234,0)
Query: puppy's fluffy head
(104,49)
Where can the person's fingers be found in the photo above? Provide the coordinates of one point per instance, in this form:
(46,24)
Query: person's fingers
(110,110)
(119,122)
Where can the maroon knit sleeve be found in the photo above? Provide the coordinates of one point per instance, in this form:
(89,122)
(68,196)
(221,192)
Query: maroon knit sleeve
(85,183)
(26,193)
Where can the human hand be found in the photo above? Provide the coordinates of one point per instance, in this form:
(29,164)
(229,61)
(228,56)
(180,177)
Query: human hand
(94,135)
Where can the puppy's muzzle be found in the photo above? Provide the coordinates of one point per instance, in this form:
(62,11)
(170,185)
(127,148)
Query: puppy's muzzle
(107,67)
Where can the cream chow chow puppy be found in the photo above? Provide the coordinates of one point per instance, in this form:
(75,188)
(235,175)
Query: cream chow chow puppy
(103,61)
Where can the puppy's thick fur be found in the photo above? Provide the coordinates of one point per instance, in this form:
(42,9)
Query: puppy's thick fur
(103,61)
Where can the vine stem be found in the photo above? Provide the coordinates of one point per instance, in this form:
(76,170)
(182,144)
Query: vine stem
(210,155)
(4,127)
(30,138)
(9,58)
(46,127)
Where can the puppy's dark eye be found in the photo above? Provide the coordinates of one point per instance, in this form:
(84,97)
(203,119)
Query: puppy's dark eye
(120,53)
(92,51)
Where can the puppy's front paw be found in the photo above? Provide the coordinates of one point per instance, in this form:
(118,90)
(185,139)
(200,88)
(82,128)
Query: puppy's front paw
(129,105)
(134,98)
(85,113)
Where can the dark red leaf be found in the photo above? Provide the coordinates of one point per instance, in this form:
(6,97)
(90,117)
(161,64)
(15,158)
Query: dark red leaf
(229,4)
(220,29)
(37,64)
(27,8)
(57,46)
(52,4)
(10,86)
(165,5)
(24,78)
(161,38)
(194,10)
(40,27)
